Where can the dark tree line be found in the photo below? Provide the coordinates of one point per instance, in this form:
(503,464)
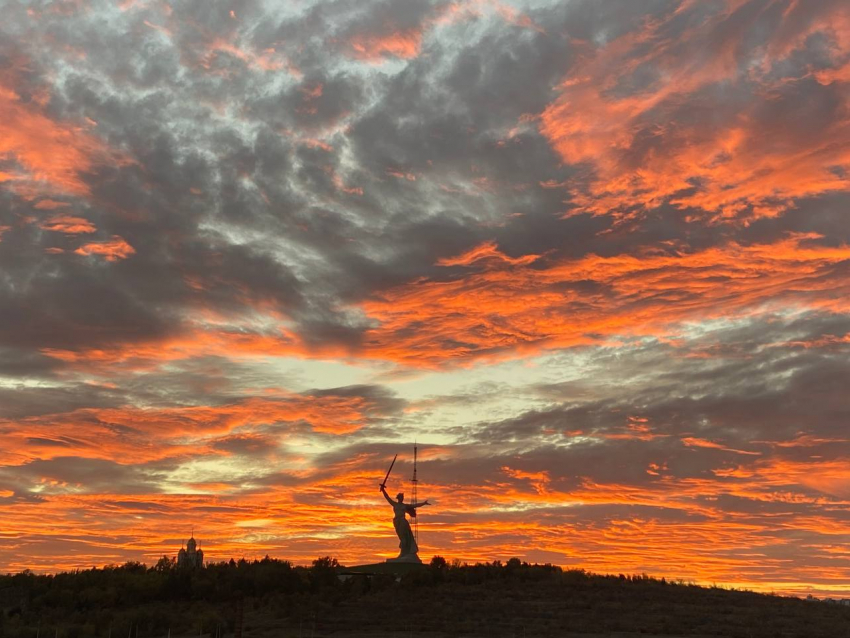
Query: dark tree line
(132,597)
(277,598)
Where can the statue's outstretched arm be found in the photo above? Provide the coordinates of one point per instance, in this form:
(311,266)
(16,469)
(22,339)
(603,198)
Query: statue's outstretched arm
(387,496)
(420,504)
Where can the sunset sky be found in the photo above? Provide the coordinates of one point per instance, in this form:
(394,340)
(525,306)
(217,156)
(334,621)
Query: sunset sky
(594,256)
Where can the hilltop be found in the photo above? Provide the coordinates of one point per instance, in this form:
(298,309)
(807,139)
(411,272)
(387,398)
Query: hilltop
(275,598)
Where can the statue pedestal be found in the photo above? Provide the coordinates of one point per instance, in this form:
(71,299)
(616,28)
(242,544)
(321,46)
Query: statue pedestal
(407,558)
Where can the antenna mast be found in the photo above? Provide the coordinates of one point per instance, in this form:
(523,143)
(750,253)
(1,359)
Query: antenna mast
(415,496)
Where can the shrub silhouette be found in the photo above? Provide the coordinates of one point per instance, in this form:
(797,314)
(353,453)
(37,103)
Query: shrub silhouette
(496,599)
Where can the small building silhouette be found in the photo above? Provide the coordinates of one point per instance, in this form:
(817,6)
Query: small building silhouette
(191,556)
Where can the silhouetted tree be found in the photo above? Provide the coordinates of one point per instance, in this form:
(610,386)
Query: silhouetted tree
(165,564)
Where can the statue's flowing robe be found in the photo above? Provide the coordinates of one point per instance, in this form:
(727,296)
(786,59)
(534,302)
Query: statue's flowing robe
(406,541)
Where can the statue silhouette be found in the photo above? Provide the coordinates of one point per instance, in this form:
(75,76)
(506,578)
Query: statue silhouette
(406,541)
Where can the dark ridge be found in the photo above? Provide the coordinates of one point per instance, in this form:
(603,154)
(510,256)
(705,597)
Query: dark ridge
(270,597)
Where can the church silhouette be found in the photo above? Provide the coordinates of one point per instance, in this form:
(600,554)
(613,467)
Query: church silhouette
(191,556)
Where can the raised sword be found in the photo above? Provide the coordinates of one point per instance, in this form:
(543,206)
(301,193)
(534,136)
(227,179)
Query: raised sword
(384,484)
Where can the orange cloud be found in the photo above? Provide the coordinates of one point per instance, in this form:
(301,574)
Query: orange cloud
(52,155)
(827,341)
(501,307)
(390,41)
(111,250)
(698,442)
(507,307)
(403,44)
(196,342)
(486,251)
(49,204)
(142,435)
(69,225)
(641,149)
(830,477)
(410,177)
(156,27)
